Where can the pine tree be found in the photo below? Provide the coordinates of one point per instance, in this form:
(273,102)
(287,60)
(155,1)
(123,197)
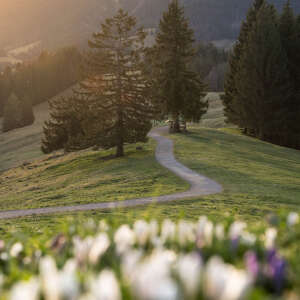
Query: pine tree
(263,86)
(12,115)
(115,94)
(230,101)
(290,37)
(180,91)
(65,129)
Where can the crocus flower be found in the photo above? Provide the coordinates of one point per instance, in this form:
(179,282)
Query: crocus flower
(220,232)
(26,290)
(248,239)
(152,278)
(276,269)
(236,230)
(142,232)
(168,231)
(204,232)
(225,282)
(186,233)
(130,262)
(124,239)
(189,269)
(49,278)
(270,238)
(252,264)
(292,219)
(82,248)
(16,249)
(106,287)
(99,246)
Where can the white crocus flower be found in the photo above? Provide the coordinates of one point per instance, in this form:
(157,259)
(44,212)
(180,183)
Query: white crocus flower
(124,239)
(270,238)
(224,281)
(130,261)
(220,232)
(189,268)
(50,278)
(248,239)
(236,229)
(153,230)
(152,280)
(168,231)
(106,287)
(82,248)
(68,284)
(16,249)
(26,290)
(186,233)
(58,285)
(292,219)
(99,246)
(204,232)
(142,232)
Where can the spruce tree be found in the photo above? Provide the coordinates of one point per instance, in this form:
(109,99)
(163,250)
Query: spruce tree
(263,86)
(12,115)
(113,106)
(65,129)
(230,101)
(180,91)
(290,37)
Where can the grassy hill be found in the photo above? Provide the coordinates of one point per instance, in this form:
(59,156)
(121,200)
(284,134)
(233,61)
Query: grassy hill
(23,144)
(258,178)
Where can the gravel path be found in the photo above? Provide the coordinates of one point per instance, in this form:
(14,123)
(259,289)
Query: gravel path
(199,185)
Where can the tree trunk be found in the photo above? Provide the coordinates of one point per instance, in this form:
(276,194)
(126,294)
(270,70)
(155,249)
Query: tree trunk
(176,125)
(120,149)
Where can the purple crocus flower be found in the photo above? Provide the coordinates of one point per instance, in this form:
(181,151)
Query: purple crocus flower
(234,244)
(252,263)
(276,269)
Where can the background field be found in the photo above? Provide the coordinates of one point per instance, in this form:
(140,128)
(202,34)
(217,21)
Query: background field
(258,178)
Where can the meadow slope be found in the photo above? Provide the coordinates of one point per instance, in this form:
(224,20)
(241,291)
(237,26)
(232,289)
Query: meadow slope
(258,178)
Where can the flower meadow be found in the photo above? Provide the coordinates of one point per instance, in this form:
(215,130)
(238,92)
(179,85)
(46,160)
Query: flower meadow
(155,261)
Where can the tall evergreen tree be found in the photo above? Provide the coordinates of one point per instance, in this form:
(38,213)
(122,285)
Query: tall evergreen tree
(230,101)
(290,37)
(180,91)
(263,86)
(115,93)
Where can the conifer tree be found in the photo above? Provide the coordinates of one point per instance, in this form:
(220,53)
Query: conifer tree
(180,91)
(290,37)
(230,101)
(113,105)
(12,115)
(263,86)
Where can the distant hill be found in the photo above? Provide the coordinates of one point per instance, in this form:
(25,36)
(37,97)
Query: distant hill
(63,22)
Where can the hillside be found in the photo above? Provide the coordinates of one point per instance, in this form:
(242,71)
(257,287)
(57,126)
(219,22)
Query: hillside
(71,21)
(23,144)
(252,172)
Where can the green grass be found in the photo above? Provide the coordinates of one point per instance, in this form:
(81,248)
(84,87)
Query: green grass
(87,177)
(258,179)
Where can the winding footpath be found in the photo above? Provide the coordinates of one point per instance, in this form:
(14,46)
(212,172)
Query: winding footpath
(199,185)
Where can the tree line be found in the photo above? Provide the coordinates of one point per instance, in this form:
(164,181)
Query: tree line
(32,83)
(126,86)
(262,89)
